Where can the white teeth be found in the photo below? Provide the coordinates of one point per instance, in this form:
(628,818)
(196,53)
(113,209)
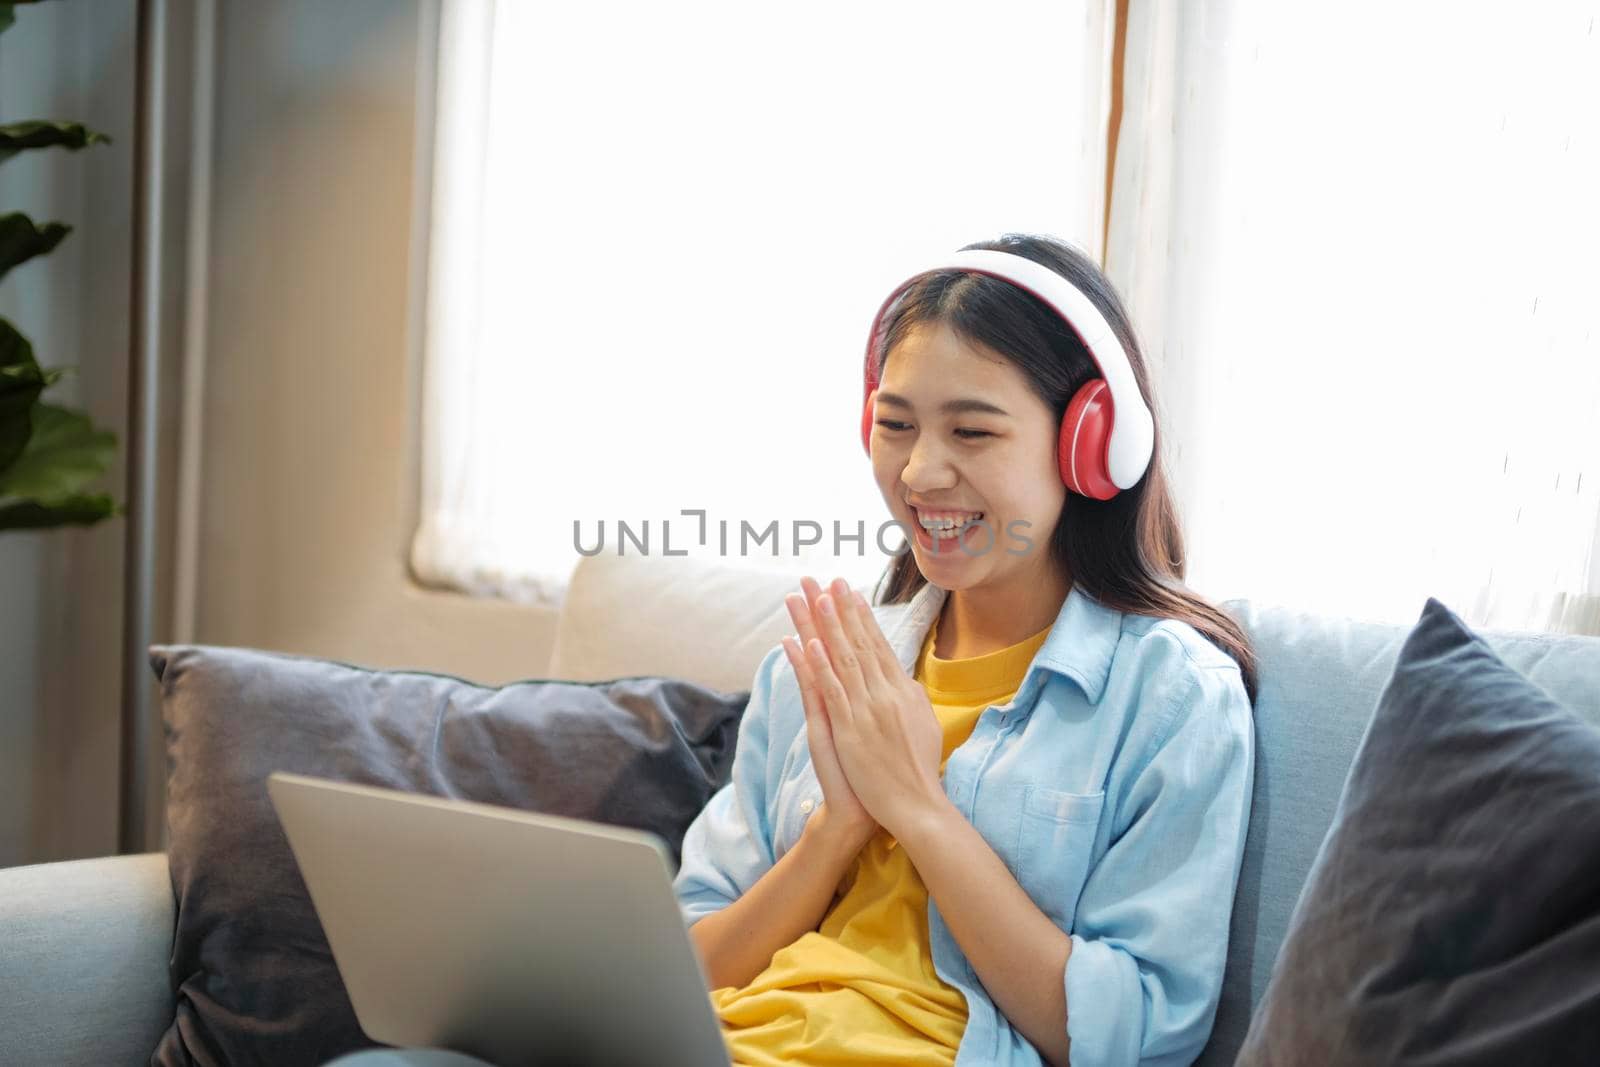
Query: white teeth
(948,526)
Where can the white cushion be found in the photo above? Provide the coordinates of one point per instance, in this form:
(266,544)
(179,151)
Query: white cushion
(688,617)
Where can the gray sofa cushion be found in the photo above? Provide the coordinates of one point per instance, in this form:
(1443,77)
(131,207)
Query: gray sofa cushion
(1452,914)
(255,982)
(83,952)
(1320,680)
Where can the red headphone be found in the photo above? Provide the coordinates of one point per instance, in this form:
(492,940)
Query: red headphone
(1107,434)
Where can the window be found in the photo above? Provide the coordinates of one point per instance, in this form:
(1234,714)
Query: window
(1357,243)
(660,233)
(1360,243)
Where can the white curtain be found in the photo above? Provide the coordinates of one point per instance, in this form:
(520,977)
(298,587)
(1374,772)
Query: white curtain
(1359,243)
(660,233)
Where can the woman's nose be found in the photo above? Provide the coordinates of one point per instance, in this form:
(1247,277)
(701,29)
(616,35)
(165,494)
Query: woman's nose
(927,468)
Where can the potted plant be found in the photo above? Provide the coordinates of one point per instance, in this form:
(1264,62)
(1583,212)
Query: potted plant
(50,456)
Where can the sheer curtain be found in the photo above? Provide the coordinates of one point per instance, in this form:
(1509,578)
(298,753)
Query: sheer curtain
(659,236)
(1359,242)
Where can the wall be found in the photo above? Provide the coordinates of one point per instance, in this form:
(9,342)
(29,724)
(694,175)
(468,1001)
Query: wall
(310,409)
(307,462)
(61,590)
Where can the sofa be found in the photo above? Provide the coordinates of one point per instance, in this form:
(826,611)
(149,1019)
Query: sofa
(84,945)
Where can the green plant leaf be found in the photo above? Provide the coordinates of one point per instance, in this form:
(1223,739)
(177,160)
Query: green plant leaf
(46,133)
(21,239)
(64,454)
(21,381)
(75,511)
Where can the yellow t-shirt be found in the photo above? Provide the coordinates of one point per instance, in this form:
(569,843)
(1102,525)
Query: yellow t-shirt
(862,988)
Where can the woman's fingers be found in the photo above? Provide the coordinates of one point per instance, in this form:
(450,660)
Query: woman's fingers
(805,611)
(847,666)
(888,662)
(802,611)
(802,670)
(809,671)
(810,693)
(855,631)
(830,689)
(809,592)
(819,730)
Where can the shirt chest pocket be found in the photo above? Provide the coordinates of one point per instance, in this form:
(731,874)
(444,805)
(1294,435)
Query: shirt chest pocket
(1054,848)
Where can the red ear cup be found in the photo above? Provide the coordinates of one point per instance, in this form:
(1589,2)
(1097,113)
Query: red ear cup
(1085,435)
(866,420)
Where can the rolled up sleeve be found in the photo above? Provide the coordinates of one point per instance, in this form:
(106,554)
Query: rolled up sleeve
(1150,939)
(728,846)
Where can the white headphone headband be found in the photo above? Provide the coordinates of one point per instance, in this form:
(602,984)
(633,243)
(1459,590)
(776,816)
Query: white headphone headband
(1133,429)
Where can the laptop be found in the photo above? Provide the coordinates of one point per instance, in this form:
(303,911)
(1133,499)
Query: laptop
(523,939)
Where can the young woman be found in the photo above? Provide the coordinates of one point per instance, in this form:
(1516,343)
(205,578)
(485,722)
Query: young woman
(999,817)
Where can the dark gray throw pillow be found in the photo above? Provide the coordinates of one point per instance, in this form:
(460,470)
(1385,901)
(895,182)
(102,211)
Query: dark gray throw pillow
(253,977)
(1452,914)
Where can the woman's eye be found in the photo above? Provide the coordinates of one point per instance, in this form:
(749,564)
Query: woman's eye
(970,435)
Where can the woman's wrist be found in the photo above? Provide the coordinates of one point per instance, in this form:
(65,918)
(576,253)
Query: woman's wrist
(842,837)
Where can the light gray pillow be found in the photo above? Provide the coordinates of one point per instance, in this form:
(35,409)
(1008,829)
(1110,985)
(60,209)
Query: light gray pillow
(1452,914)
(253,977)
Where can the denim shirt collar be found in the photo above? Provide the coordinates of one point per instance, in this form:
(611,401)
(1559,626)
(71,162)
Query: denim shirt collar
(1081,643)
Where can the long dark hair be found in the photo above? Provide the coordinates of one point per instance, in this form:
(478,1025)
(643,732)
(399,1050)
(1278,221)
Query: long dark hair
(1126,552)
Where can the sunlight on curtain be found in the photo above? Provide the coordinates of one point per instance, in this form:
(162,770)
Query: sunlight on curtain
(1359,242)
(660,234)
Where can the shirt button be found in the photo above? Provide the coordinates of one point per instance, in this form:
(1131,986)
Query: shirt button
(807,804)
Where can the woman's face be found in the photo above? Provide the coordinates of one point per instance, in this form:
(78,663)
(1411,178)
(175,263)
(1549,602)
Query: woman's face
(956,431)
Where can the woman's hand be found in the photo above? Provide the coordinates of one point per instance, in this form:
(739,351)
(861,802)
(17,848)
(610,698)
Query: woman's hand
(884,731)
(841,808)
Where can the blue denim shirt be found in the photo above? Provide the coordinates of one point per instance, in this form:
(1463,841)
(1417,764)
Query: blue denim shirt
(1116,788)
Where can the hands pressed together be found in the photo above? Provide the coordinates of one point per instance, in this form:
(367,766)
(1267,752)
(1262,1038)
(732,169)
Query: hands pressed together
(875,740)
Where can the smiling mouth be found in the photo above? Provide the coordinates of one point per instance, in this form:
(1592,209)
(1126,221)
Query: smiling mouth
(946,526)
